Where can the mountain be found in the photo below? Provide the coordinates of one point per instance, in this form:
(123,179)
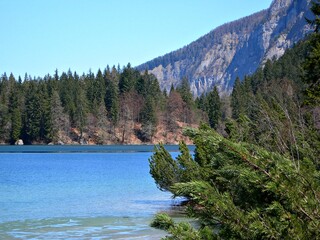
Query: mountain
(234,49)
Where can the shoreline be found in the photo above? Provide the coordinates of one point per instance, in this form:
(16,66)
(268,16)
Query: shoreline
(86,148)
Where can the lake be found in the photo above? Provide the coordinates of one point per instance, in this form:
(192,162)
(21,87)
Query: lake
(79,192)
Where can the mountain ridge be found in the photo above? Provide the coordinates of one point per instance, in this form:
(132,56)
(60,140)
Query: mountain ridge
(234,49)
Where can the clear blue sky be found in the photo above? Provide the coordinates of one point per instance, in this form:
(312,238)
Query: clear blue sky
(38,36)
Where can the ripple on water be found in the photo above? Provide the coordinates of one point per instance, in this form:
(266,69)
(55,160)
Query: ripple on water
(81,228)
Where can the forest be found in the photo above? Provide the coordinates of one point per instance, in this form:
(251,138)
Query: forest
(255,174)
(115,105)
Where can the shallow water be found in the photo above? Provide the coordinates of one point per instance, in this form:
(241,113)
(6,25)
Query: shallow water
(73,195)
(81,228)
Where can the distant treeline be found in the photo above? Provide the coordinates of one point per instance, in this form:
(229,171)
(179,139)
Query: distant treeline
(112,101)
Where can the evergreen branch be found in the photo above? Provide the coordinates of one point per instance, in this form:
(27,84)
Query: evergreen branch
(246,160)
(306,214)
(310,186)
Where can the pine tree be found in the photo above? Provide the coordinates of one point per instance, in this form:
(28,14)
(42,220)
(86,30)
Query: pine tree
(142,85)
(37,117)
(15,109)
(185,91)
(201,103)
(67,95)
(90,88)
(45,124)
(161,160)
(95,90)
(32,117)
(128,79)
(236,99)
(267,71)
(112,95)
(213,108)
(148,119)
(241,192)
(5,121)
(16,125)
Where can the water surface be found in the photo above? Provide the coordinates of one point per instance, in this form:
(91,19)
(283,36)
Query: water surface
(68,194)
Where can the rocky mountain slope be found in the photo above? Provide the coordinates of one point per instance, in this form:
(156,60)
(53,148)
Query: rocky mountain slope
(234,49)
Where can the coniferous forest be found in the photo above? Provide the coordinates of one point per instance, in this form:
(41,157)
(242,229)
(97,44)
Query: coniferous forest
(257,176)
(115,105)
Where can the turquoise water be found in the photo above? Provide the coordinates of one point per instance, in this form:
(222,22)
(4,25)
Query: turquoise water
(91,194)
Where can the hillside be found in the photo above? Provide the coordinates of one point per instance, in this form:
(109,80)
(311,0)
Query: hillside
(233,49)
